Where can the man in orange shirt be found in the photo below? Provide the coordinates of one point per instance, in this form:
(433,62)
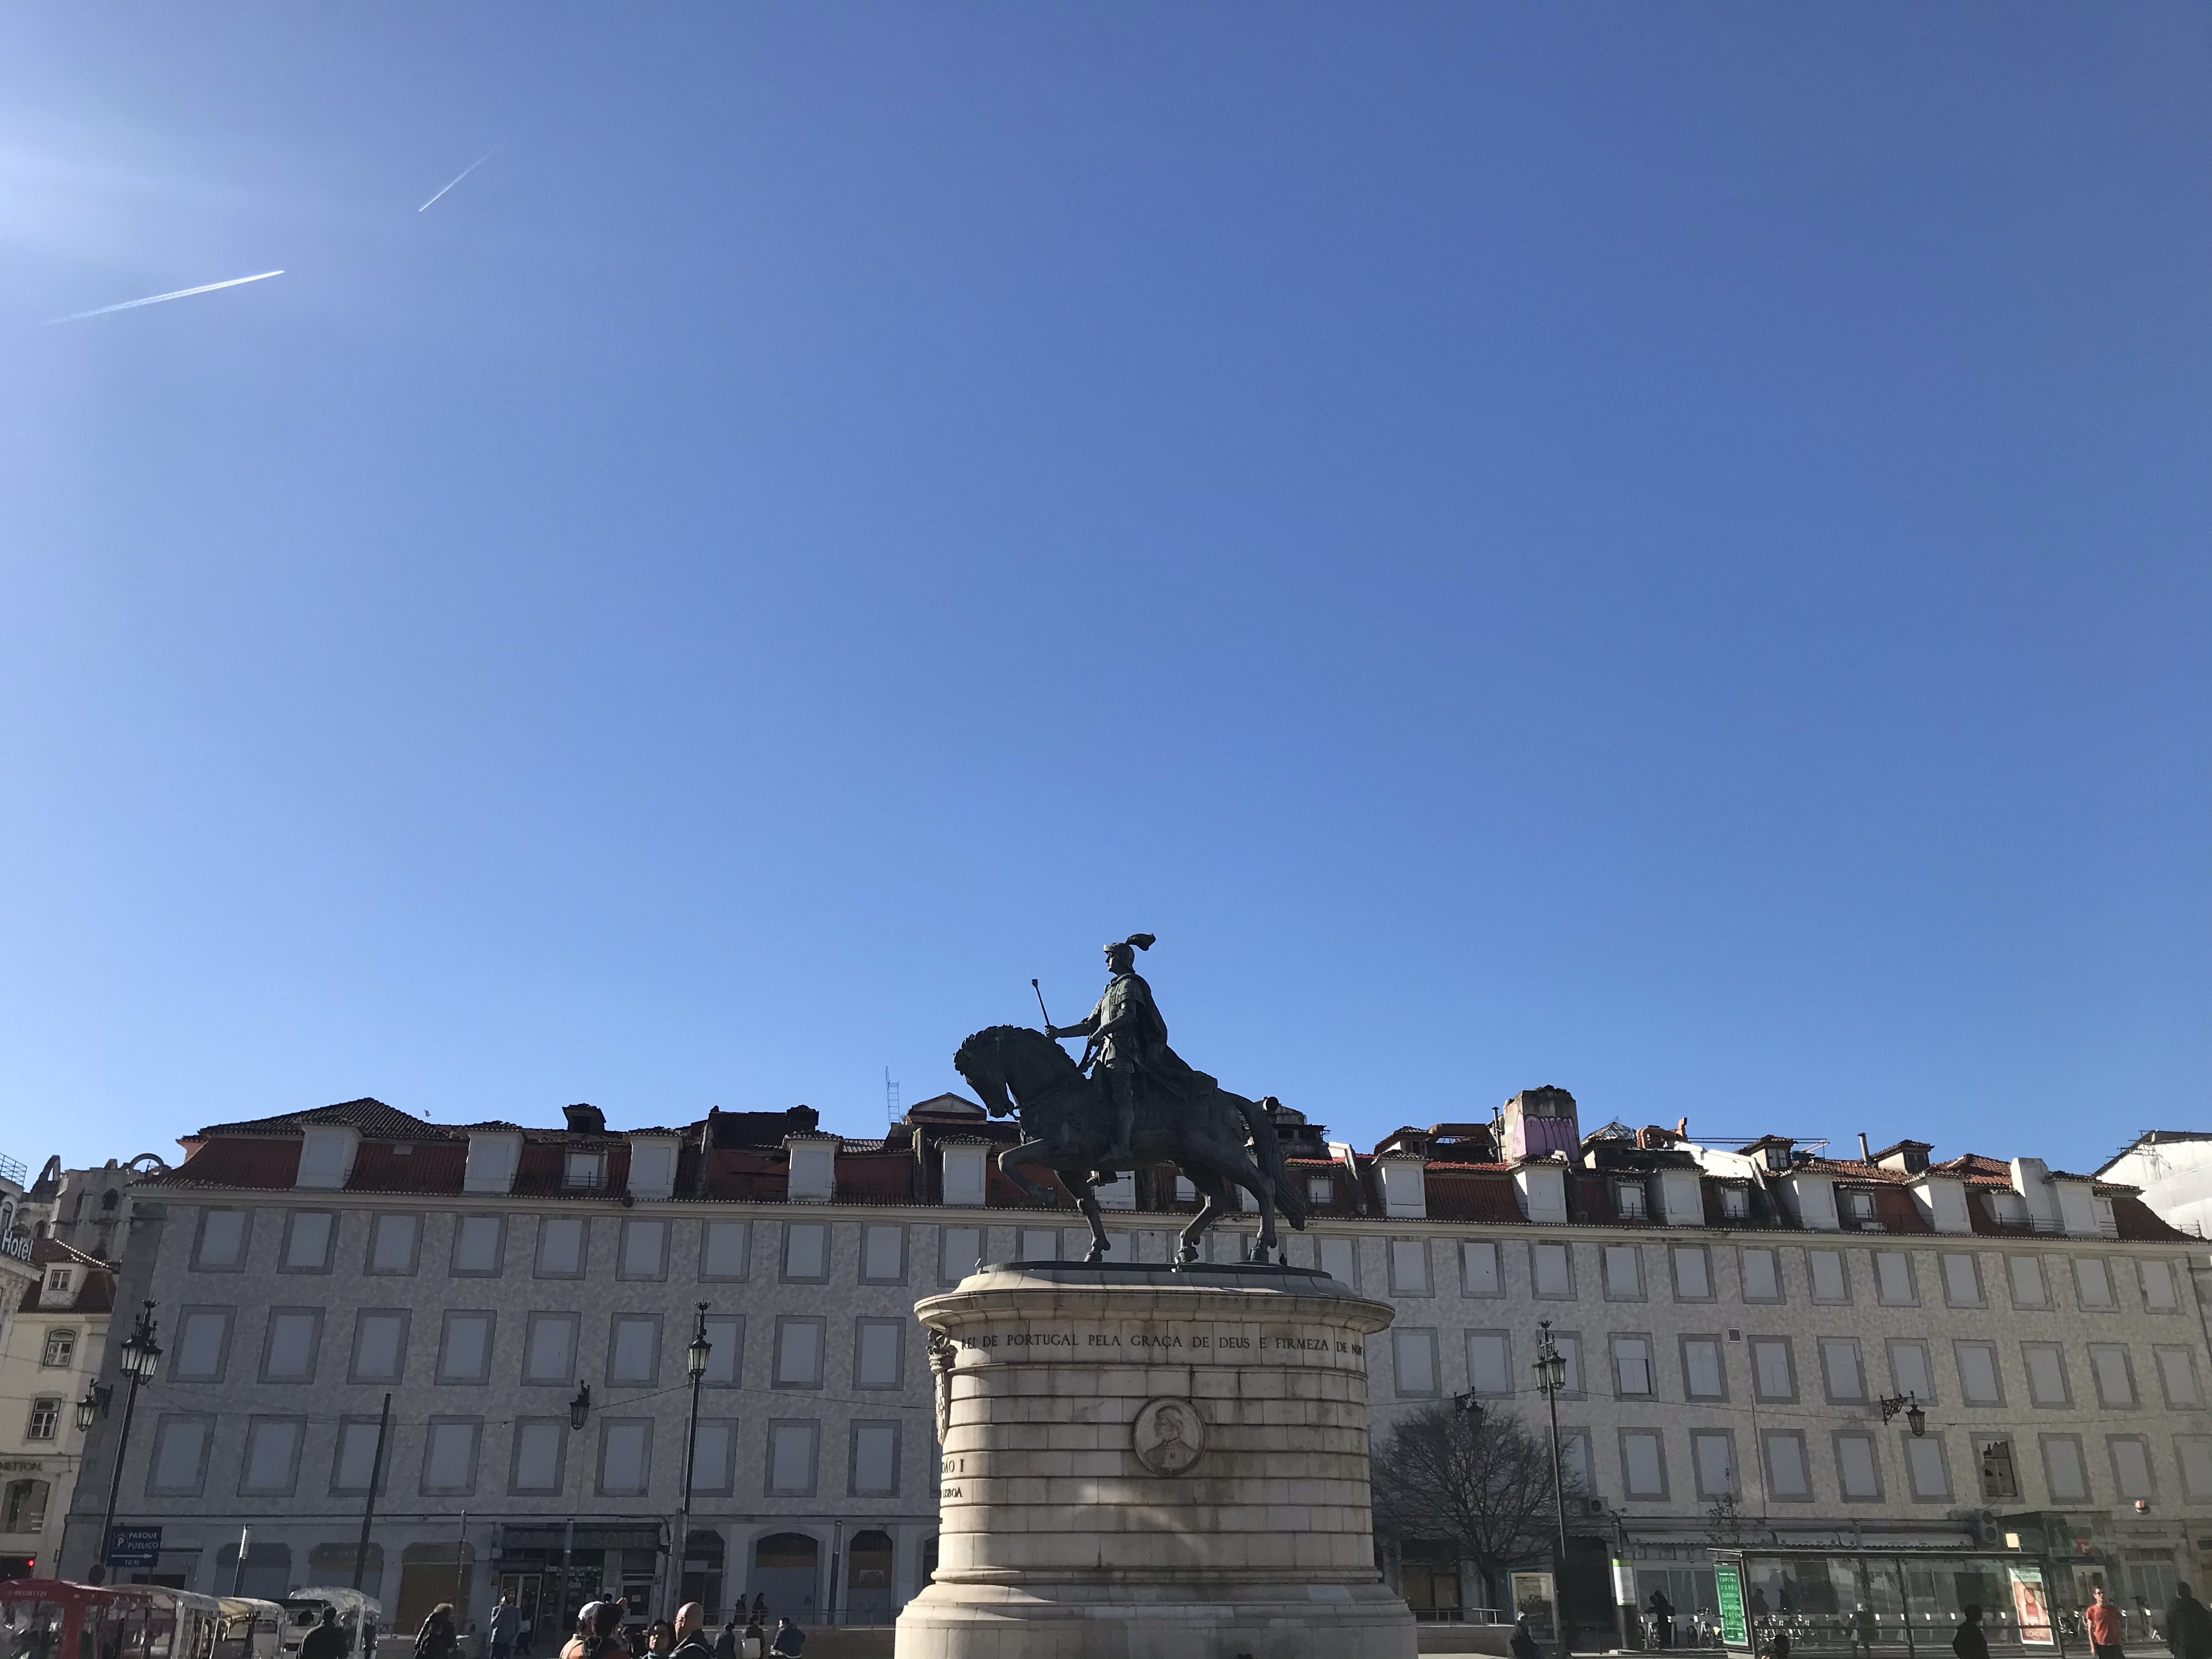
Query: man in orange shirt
(2104,1627)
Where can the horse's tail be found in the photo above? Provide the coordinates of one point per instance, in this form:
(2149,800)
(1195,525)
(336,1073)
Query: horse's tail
(1268,1150)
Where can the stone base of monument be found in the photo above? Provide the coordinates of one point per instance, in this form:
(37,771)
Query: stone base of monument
(1151,1463)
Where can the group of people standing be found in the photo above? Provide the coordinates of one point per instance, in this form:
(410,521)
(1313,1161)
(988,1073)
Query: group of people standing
(600,1634)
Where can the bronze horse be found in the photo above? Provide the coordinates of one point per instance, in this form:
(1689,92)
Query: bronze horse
(1067,1116)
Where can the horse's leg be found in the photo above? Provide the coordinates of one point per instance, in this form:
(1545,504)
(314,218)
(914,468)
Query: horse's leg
(1208,1184)
(1080,1187)
(1010,1163)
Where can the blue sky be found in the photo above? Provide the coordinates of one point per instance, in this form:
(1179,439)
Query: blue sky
(1658,550)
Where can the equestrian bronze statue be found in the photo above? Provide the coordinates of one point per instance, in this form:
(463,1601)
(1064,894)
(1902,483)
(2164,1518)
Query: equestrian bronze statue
(1130,1103)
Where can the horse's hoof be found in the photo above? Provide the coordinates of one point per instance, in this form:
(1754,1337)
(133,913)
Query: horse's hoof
(1094,1256)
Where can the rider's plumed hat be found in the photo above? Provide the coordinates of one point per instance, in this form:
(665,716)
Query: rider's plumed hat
(1142,941)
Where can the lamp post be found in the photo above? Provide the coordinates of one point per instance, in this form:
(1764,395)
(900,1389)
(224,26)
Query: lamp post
(141,1354)
(1550,1379)
(1915,1419)
(695,1353)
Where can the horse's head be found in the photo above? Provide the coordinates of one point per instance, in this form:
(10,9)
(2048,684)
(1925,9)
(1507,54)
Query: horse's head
(1002,1063)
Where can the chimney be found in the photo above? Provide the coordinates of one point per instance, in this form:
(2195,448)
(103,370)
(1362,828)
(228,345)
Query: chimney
(585,1120)
(1866,1152)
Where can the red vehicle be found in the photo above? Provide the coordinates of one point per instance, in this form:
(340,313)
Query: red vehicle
(52,1618)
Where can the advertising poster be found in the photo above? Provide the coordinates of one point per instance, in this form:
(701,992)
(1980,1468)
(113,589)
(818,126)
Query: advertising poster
(1728,1592)
(2030,1606)
(1532,1598)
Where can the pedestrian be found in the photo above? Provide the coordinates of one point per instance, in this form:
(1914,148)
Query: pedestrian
(755,1645)
(1523,1643)
(367,1638)
(691,1628)
(760,1607)
(1862,1630)
(2188,1626)
(790,1640)
(660,1638)
(598,1633)
(2107,1625)
(1967,1642)
(326,1640)
(506,1623)
(1663,1619)
(436,1639)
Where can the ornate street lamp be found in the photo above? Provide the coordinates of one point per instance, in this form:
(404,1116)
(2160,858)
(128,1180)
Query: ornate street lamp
(581,1406)
(1551,1382)
(1915,1419)
(140,1355)
(695,1354)
(93,1406)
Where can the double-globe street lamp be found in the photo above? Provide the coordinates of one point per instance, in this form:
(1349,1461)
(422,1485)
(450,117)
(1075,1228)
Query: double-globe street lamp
(1551,1380)
(695,1354)
(139,1357)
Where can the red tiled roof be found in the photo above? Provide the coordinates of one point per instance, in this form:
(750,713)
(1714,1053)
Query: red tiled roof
(371,1117)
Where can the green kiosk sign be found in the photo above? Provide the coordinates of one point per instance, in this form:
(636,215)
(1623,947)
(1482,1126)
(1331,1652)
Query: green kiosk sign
(1728,1590)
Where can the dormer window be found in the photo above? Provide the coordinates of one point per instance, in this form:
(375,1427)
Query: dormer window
(584,1171)
(58,1280)
(2009,1209)
(1629,1200)
(1736,1201)
(1859,1208)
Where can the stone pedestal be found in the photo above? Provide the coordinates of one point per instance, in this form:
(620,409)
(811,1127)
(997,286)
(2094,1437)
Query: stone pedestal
(1140,1463)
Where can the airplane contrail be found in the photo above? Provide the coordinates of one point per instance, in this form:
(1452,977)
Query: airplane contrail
(156,299)
(464,173)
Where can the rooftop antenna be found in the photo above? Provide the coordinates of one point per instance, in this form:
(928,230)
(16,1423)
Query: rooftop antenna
(890,1095)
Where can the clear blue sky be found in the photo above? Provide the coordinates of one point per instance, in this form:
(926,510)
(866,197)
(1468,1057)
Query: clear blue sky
(1662,549)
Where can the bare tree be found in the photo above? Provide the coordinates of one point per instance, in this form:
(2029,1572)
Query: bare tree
(1480,1480)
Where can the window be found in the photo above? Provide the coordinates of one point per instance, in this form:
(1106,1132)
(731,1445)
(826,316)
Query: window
(180,1463)
(1978,1384)
(1409,1266)
(2116,1380)
(538,1443)
(799,1352)
(2093,1282)
(391,1243)
(273,1452)
(1320,1189)
(1825,1269)
(2029,1287)
(1186,1190)
(1736,1201)
(1858,1470)
(878,1347)
(726,1352)
(307,1241)
(1787,1476)
(1713,1454)
(791,1447)
(1478,1267)
(24,1507)
(465,1347)
(713,1456)
(1911,1372)
(644,1249)
(289,1353)
(1554,1271)
(1042,1244)
(2046,1373)
(1994,1466)
(1632,1366)
(1773,1377)
(476,1246)
(1841,1370)
(2194,1454)
(223,1241)
(1413,1355)
(1693,1272)
(2132,1465)
(806,1250)
(60,1349)
(1574,1460)
(549,1348)
(1624,1272)
(625,1456)
(1570,1350)
(633,1349)
(875,1460)
(561,1246)
(883,1254)
(1703,1377)
(1643,1463)
(203,1345)
(1924,1466)
(353,1465)
(1490,1362)
(1859,1211)
(1962,1281)
(1762,1275)
(2159,1294)
(1340,1261)
(59,1278)
(449,1454)
(1631,1200)
(583,1171)
(46,1418)
(2176,1375)
(726,1251)
(1893,1279)
(379,1344)
(2065,1468)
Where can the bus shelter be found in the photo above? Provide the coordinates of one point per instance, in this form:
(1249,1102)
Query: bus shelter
(1896,1601)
